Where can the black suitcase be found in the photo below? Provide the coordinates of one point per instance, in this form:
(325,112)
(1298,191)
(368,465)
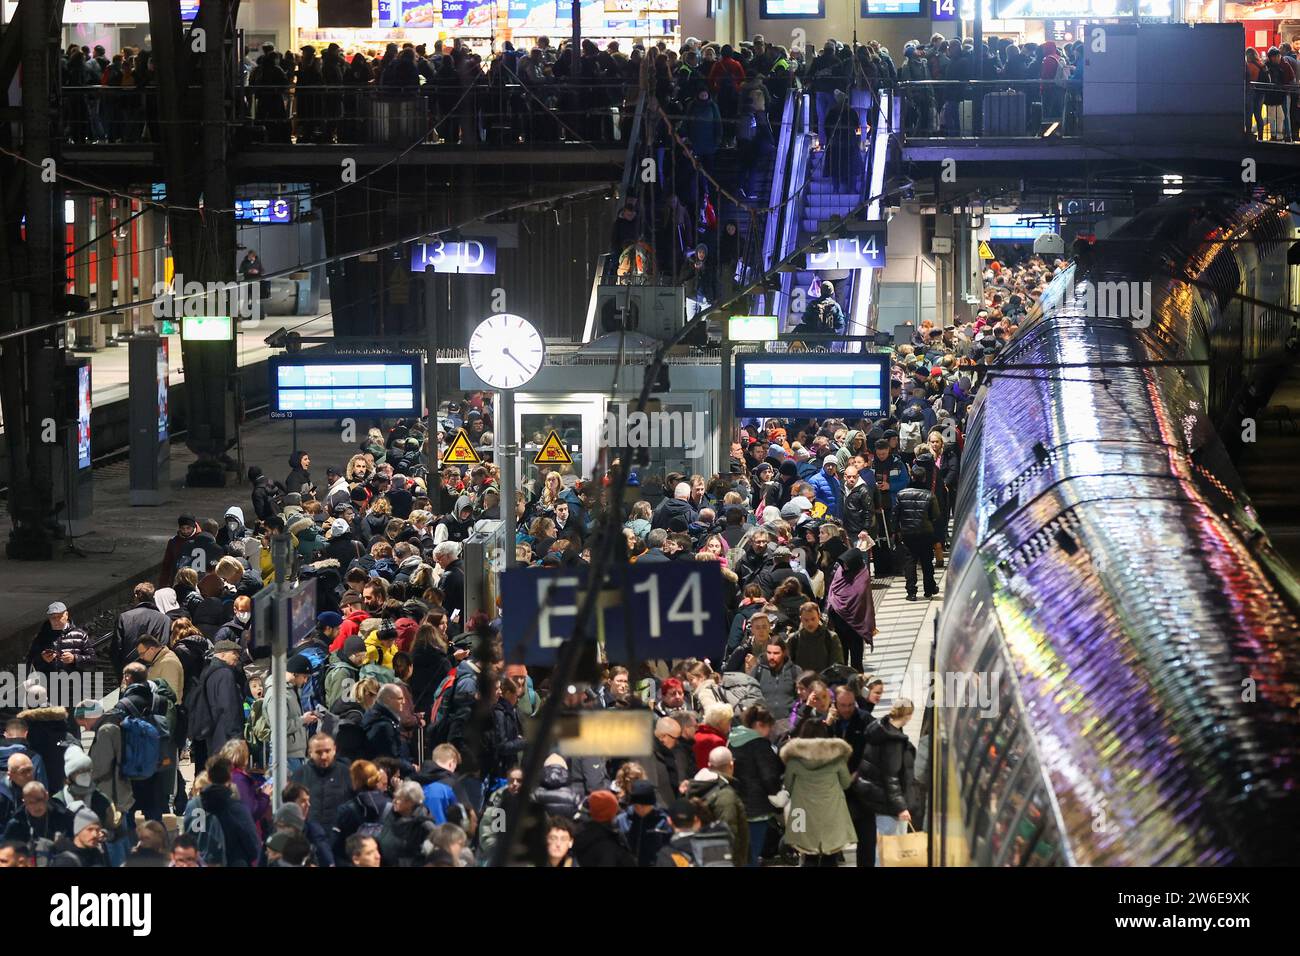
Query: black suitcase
(1004,114)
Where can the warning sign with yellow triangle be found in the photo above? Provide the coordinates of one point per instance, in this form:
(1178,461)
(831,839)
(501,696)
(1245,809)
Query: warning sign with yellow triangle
(461,451)
(985,251)
(553,451)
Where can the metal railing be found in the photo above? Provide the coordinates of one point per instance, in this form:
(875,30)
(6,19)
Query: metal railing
(1267,111)
(960,109)
(487,112)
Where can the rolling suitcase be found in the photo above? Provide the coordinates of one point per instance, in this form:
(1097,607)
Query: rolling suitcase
(1005,114)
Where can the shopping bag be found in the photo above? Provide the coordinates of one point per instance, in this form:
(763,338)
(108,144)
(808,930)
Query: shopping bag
(905,849)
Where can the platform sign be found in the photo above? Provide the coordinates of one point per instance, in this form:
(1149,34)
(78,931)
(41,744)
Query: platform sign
(471,256)
(860,251)
(337,386)
(943,9)
(461,451)
(553,451)
(671,610)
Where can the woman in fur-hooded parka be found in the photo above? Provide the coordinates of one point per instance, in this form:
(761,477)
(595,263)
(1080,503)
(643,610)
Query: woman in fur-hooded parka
(816,775)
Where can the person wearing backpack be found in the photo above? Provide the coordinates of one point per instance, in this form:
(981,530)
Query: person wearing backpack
(106,760)
(344,669)
(217,801)
(143,757)
(217,712)
(364,813)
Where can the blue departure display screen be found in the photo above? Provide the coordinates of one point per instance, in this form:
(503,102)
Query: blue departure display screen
(334,386)
(855,384)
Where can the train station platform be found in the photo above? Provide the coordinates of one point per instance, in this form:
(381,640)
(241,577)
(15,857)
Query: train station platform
(901,656)
(125,544)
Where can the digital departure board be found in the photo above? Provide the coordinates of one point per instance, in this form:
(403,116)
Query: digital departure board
(792,9)
(333,386)
(813,385)
(893,8)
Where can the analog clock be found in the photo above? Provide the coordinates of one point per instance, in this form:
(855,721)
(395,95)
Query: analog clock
(506,351)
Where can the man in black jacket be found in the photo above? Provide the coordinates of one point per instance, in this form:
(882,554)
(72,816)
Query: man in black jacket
(452,583)
(850,723)
(326,778)
(916,516)
(859,504)
(217,712)
(383,727)
(142,620)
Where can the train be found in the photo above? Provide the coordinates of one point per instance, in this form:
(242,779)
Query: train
(1116,668)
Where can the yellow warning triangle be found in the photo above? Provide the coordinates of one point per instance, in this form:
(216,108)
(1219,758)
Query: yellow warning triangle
(985,251)
(553,452)
(461,451)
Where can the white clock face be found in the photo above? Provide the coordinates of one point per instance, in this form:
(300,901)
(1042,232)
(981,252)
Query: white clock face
(505,351)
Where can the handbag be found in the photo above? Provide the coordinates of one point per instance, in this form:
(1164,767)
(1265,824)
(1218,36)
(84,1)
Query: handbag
(904,849)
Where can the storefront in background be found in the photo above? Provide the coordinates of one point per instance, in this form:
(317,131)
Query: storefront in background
(112,24)
(1062,21)
(485,24)
(1266,24)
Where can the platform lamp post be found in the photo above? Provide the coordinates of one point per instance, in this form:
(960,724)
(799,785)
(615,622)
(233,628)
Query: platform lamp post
(506,352)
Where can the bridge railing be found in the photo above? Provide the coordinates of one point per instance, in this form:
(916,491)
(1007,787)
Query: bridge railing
(484,113)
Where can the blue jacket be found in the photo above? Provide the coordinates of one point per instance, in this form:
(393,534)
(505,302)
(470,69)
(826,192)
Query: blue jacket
(10,746)
(829,490)
(806,470)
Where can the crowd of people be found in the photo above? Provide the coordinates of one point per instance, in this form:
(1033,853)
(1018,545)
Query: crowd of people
(405,738)
(1273,98)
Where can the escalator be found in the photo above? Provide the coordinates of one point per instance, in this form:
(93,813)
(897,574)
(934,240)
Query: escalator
(819,200)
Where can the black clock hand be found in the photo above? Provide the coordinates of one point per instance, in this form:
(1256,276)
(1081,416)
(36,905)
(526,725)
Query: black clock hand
(509,355)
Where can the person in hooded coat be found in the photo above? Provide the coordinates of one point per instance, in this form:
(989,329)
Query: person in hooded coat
(849,603)
(233,527)
(266,493)
(299,480)
(816,776)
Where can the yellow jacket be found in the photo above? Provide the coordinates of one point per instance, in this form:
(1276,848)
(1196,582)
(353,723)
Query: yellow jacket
(376,653)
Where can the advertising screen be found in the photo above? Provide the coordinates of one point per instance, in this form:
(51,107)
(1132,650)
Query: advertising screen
(83,416)
(263,210)
(332,386)
(802,384)
(164,423)
(789,9)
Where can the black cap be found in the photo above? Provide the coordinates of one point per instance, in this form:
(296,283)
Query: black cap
(185,519)
(333,471)
(298,664)
(682,812)
(643,791)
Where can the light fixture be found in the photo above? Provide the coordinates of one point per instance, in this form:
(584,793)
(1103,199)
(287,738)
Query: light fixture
(1051,130)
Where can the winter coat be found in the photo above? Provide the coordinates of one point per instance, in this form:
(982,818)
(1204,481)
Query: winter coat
(886,774)
(816,651)
(779,687)
(143,620)
(644,835)
(367,807)
(555,795)
(72,639)
(816,775)
(330,789)
(917,513)
(600,844)
(829,491)
(252,797)
(217,711)
(295,741)
(383,732)
(266,495)
(167,665)
(242,845)
(48,733)
(671,508)
(758,771)
(706,738)
(854,730)
(107,752)
(401,841)
(662,771)
(720,793)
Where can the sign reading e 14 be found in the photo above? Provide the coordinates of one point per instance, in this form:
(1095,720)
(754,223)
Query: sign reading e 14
(671,610)
(473,256)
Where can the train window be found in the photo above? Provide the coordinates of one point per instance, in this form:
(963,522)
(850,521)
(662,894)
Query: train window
(1017,832)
